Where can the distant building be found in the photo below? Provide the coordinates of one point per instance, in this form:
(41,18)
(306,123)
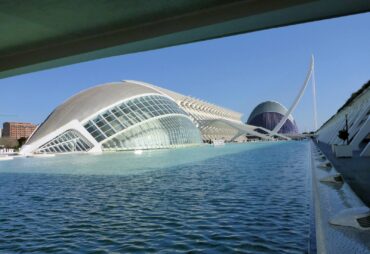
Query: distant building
(17,130)
(268,114)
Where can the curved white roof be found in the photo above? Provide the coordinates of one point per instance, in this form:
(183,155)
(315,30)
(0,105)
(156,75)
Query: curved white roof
(88,102)
(269,106)
(181,98)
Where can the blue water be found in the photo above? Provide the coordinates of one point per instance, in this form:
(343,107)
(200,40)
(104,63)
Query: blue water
(246,198)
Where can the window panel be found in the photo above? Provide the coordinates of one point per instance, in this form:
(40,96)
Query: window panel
(65,142)
(129,113)
(158,133)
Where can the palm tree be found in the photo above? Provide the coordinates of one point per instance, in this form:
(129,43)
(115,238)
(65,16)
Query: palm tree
(343,134)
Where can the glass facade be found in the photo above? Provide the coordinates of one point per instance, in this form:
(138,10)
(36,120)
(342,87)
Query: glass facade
(129,113)
(164,132)
(68,141)
(170,126)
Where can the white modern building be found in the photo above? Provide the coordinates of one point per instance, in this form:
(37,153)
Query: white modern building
(357,110)
(131,115)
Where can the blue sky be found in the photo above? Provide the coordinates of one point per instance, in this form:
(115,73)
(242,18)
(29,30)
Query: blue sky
(236,72)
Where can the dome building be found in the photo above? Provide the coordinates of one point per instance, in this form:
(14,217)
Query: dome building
(132,115)
(268,114)
(114,116)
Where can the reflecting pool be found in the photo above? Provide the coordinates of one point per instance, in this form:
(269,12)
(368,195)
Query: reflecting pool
(245,198)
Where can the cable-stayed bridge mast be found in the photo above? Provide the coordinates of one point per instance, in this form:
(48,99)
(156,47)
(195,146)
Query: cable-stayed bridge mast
(310,76)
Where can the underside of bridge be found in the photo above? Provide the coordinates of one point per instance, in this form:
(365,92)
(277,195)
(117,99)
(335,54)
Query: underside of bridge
(37,35)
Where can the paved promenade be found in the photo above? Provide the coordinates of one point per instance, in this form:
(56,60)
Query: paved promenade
(329,201)
(355,170)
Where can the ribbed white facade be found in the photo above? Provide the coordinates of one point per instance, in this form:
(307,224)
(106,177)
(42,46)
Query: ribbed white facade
(358,115)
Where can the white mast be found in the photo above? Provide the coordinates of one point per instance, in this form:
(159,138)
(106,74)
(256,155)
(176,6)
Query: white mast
(314,96)
(297,99)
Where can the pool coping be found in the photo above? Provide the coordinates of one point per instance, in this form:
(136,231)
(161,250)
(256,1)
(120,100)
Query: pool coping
(329,199)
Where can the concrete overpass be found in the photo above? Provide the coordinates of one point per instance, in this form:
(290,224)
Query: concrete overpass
(41,34)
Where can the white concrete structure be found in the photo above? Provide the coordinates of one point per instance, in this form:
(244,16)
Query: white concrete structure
(132,115)
(310,76)
(216,122)
(6,150)
(358,114)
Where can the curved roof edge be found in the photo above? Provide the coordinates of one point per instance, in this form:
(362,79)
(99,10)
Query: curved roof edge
(86,103)
(269,106)
(180,97)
